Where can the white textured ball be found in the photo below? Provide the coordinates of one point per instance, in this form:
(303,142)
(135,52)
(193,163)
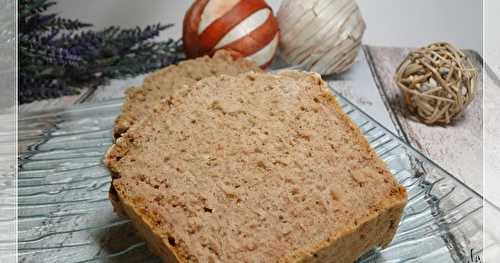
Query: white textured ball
(247,28)
(321,35)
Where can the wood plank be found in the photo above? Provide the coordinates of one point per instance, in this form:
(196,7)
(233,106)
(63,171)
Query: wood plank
(457,147)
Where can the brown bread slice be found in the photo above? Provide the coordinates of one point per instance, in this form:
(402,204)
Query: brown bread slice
(141,101)
(255,168)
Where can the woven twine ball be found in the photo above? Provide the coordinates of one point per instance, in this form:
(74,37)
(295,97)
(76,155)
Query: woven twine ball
(438,83)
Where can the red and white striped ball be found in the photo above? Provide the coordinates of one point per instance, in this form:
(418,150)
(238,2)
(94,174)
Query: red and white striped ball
(248,28)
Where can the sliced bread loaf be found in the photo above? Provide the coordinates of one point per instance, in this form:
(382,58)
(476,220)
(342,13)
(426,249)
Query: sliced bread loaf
(159,85)
(255,168)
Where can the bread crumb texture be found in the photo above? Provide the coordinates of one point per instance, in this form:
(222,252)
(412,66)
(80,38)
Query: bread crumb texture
(255,168)
(141,101)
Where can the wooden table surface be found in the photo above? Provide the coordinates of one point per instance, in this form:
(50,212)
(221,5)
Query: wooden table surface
(369,84)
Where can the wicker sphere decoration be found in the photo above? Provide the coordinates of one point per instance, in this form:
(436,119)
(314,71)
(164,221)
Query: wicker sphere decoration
(246,28)
(438,82)
(323,36)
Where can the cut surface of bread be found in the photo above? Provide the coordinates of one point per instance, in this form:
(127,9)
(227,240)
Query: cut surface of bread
(141,101)
(254,168)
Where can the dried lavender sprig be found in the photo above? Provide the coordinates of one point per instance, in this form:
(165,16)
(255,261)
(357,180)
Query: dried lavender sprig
(146,58)
(46,88)
(111,37)
(50,22)
(49,54)
(66,24)
(33,7)
(54,57)
(44,38)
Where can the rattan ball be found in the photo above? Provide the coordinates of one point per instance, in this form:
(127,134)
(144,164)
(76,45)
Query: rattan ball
(438,82)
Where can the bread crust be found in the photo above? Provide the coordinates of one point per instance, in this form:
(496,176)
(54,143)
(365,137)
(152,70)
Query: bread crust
(375,230)
(145,228)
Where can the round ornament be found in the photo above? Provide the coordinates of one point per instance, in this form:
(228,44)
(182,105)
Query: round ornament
(438,82)
(248,28)
(323,36)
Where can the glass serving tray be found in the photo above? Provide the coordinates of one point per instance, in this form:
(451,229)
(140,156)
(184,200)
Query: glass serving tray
(65,215)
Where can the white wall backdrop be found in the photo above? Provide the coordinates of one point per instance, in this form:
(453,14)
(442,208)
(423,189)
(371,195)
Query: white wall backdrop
(406,23)
(492,37)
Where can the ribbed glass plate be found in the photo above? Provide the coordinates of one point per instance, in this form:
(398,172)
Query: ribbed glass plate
(65,215)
